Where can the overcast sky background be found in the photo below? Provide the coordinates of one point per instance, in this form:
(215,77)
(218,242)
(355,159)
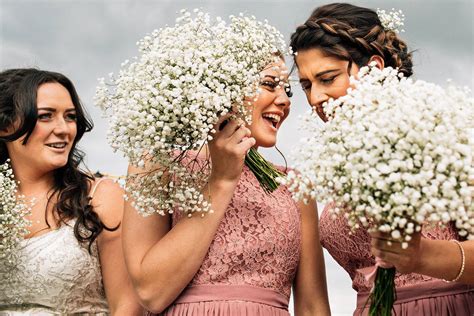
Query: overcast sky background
(86,40)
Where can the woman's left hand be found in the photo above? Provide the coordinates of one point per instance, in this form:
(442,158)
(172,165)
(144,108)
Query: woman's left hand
(405,260)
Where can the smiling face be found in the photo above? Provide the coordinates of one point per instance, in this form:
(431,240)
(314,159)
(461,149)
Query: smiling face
(323,77)
(50,143)
(272,105)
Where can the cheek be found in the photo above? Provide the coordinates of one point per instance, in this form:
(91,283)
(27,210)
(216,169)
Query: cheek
(340,88)
(73,131)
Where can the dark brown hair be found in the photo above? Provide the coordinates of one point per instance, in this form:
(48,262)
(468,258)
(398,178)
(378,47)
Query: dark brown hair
(354,34)
(18,93)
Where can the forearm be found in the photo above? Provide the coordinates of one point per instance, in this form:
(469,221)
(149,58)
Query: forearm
(310,281)
(170,264)
(442,259)
(126,309)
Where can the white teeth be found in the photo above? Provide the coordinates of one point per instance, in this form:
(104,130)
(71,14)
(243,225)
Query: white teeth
(274,117)
(57,145)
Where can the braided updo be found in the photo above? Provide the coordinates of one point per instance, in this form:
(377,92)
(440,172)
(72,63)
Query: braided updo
(354,34)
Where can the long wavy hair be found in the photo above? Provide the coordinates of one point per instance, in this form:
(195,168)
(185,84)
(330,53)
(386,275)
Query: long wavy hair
(18,107)
(354,34)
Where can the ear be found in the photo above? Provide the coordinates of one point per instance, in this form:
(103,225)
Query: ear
(378,60)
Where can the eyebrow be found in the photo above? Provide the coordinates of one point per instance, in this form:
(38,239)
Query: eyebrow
(275,77)
(54,110)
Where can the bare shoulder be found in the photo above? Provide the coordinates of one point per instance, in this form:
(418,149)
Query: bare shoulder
(107,200)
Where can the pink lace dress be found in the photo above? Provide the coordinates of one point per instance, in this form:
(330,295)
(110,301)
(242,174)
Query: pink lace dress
(252,261)
(416,294)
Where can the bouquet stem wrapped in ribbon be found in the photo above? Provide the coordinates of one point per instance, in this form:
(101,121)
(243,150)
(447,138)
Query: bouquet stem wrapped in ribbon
(395,154)
(166,102)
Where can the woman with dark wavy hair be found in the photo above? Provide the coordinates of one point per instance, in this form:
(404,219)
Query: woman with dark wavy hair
(71,261)
(334,42)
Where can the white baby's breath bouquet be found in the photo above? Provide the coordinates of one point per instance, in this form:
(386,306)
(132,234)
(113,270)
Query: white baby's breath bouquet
(394,155)
(166,102)
(13,209)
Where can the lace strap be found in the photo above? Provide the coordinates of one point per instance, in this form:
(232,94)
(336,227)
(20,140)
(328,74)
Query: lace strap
(96,184)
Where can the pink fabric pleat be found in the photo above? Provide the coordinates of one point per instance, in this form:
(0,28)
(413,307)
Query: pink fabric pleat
(228,300)
(430,298)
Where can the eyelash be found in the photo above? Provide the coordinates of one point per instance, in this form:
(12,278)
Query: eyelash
(47,116)
(269,84)
(327,81)
(44,116)
(272,85)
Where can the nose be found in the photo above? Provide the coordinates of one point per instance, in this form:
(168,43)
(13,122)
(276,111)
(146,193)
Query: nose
(317,98)
(61,127)
(282,98)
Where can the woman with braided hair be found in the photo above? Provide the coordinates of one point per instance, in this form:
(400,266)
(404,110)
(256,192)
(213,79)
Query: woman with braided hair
(335,41)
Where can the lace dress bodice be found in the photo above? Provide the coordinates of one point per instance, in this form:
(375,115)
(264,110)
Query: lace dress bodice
(55,275)
(351,250)
(257,242)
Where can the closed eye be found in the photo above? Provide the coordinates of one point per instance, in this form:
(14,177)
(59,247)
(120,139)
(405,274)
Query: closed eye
(305,85)
(268,83)
(328,80)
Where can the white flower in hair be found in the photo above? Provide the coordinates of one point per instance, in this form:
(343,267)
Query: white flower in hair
(393,20)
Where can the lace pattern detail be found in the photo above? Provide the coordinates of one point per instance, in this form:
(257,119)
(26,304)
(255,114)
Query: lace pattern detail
(56,274)
(351,250)
(257,242)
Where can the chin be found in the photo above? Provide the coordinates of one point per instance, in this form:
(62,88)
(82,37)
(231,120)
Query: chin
(56,164)
(266,143)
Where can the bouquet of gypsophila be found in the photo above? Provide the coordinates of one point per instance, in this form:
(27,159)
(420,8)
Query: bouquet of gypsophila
(394,155)
(13,209)
(165,103)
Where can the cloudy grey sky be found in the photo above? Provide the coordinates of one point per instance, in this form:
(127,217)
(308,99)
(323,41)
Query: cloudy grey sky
(88,39)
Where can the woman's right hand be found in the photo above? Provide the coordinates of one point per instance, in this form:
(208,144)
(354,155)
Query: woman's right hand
(228,149)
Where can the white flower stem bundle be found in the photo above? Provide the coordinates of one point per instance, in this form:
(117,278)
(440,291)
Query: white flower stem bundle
(166,102)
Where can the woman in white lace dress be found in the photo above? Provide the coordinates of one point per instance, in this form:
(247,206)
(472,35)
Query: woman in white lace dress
(71,261)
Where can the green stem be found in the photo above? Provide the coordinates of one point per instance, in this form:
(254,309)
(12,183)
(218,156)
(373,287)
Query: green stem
(264,171)
(383,294)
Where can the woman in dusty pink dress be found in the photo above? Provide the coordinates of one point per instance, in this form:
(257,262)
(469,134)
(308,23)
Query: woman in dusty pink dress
(244,258)
(331,45)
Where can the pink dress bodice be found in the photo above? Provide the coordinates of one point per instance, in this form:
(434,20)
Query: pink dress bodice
(416,294)
(352,249)
(257,242)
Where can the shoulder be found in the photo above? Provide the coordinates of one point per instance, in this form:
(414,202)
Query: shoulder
(107,198)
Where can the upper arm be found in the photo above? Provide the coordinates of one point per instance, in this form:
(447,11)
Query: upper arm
(108,204)
(310,281)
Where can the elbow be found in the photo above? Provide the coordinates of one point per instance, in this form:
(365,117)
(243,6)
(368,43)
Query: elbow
(152,299)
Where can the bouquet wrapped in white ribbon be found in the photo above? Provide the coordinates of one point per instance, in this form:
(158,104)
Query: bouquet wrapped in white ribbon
(167,101)
(394,155)
(13,212)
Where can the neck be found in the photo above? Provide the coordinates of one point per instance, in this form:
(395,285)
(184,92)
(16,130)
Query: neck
(31,181)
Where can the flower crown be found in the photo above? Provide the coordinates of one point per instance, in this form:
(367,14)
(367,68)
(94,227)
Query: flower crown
(392,21)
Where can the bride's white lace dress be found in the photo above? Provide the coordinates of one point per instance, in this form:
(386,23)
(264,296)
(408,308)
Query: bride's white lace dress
(55,275)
